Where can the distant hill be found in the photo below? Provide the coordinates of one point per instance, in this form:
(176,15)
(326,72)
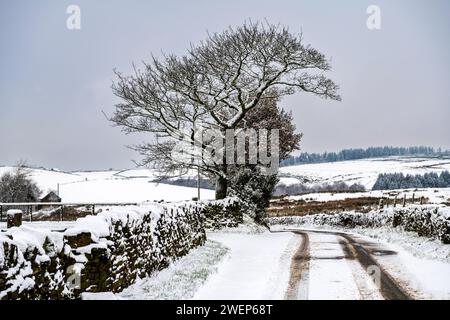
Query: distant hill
(132,185)
(356,154)
(362,171)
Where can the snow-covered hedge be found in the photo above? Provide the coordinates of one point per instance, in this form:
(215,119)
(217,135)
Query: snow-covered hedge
(106,252)
(429,221)
(222,214)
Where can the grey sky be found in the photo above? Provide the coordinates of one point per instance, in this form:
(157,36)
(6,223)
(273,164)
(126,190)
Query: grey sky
(55,82)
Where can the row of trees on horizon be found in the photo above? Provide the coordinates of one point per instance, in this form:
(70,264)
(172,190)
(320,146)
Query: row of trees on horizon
(359,153)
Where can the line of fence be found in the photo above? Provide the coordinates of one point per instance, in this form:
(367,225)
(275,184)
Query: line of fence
(384,202)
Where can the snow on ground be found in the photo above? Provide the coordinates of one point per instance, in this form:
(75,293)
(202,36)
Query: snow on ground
(47,225)
(48,179)
(128,190)
(99,296)
(423,268)
(256,267)
(331,276)
(245,263)
(364,171)
(240,263)
(235,265)
(96,175)
(420,264)
(137,173)
(136,185)
(182,278)
(435,195)
(429,279)
(420,247)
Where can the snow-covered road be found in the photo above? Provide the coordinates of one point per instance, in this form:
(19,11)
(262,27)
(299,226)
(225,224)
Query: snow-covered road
(335,266)
(343,265)
(296,264)
(317,264)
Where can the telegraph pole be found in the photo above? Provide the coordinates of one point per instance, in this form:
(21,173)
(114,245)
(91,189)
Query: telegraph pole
(198,182)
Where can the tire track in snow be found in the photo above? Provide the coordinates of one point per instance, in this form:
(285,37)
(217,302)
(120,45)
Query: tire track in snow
(388,287)
(298,281)
(366,287)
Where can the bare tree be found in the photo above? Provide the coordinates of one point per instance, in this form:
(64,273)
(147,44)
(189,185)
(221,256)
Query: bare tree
(17,186)
(214,86)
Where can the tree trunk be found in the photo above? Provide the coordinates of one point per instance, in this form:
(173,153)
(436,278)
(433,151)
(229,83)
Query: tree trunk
(221,188)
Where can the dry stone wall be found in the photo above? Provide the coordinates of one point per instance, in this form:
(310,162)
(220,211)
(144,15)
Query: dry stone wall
(106,252)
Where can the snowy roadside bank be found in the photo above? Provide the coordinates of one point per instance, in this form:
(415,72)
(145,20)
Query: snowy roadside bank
(233,264)
(181,279)
(256,267)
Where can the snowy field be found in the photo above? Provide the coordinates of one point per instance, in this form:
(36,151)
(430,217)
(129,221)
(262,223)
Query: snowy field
(364,171)
(111,186)
(434,195)
(137,185)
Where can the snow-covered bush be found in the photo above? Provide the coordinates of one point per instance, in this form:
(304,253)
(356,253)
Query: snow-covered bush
(106,252)
(429,221)
(226,213)
(254,189)
(426,221)
(344,219)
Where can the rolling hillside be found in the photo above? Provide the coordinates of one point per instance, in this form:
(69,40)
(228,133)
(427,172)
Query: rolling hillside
(111,186)
(363,171)
(135,185)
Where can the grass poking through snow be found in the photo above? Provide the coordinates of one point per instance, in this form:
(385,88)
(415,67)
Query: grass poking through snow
(182,278)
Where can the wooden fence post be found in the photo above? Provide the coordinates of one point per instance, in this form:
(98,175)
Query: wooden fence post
(381,203)
(395,201)
(404,200)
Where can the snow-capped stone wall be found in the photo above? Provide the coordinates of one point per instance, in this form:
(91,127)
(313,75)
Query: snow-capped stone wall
(106,252)
(426,220)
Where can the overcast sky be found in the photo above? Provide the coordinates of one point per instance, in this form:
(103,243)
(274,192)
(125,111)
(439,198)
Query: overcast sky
(55,82)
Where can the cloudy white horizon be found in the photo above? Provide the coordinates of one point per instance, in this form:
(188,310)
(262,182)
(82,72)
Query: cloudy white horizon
(55,82)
